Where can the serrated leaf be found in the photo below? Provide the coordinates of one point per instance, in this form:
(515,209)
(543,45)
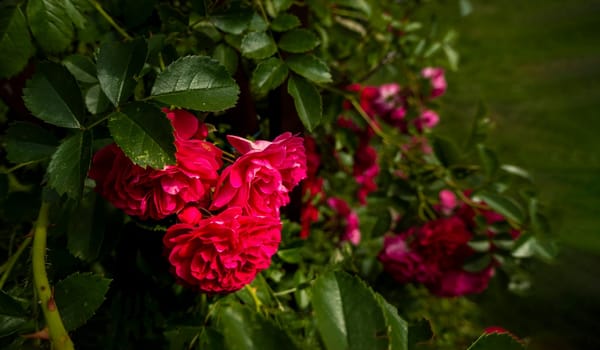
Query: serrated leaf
(234,20)
(347,313)
(285,22)
(118,64)
(307,100)
(85,234)
(82,68)
(95,100)
(310,67)
(258,45)
(227,56)
(79,296)
(397,327)
(26,142)
(488,160)
(52,95)
(50,24)
(445,151)
(10,307)
(144,134)
(15,42)
(268,75)
(70,163)
(298,40)
(196,82)
(506,206)
(244,329)
(496,341)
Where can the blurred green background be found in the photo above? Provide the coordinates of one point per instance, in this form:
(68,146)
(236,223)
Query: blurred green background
(536,66)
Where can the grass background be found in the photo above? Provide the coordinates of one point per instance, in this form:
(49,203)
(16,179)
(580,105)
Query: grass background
(536,66)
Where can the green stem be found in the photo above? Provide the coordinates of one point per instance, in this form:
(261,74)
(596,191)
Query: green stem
(6,268)
(255,298)
(97,122)
(110,20)
(59,337)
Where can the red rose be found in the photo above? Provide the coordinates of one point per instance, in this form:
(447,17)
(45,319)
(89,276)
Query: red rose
(224,252)
(261,178)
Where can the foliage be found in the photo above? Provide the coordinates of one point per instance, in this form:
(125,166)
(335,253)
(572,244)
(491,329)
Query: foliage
(361,80)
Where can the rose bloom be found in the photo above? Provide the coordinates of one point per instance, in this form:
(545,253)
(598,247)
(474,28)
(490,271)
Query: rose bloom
(437,79)
(222,253)
(365,170)
(261,178)
(349,218)
(157,193)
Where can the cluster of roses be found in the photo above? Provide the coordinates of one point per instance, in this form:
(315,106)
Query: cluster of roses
(435,253)
(229,219)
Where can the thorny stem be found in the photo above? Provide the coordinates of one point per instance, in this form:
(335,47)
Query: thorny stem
(59,338)
(110,20)
(10,263)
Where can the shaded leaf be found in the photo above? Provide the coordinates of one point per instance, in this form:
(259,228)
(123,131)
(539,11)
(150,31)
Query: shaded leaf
(85,234)
(70,163)
(268,75)
(118,64)
(144,134)
(15,42)
(9,306)
(281,5)
(234,20)
(418,332)
(82,68)
(397,327)
(227,56)
(50,24)
(52,95)
(181,337)
(10,325)
(310,67)
(75,14)
(506,206)
(258,45)
(307,100)
(298,40)
(27,142)
(244,329)
(495,341)
(445,151)
(196,82)
(488,160)
(347,313)
(95,100)
(285,22)
(79,296)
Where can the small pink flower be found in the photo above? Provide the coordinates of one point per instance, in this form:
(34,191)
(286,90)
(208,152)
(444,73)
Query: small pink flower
(261,178)
(437,79)
(349,217)
(428,119)
(387,99)
(447,202)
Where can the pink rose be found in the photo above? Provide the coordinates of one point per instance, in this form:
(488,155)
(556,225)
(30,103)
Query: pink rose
(222,253)
(349,217)
(365,170)
(427,120)
(145,193)
(261,178)
(388,98)
(447,202)
(437,80)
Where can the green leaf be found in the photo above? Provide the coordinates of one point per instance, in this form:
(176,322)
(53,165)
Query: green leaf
(210,339)
(144,134)
(397,327)
(310,67)
(10,325)
(298,41)
(196,82)
(82,68)
(10,307)
(75,14)
(488,160)
(50,24)
(244,329)
(118,64)
(79,296)
(26,142)
(419,332)
(465,7)
(95,100)
(52,95)
(268,75)
(495,341)
(70,163)
(257,24)
(347,313)
(15,43)
(285,22)
(258,45)
(307,100)
(181,337)
(85,235)
(234,20)
(227,56)
(281,5)
(452,56)
(506,206)
(445,151)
